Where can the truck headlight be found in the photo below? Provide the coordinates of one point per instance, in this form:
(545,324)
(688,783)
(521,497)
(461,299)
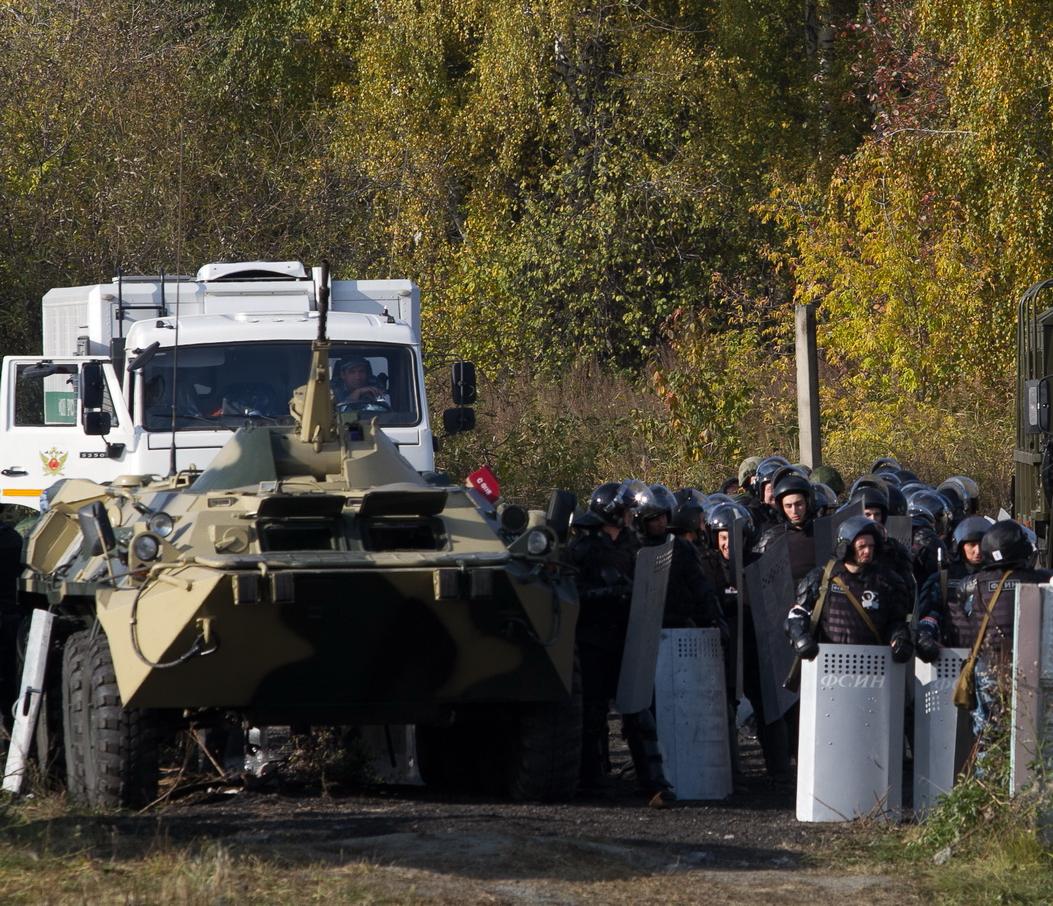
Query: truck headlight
(161,524)
(146,547)
(538,542)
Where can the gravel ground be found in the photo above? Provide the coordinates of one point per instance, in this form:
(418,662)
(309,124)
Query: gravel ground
(424,846)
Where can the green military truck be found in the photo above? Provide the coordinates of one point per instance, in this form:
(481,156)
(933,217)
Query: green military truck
(1033,453)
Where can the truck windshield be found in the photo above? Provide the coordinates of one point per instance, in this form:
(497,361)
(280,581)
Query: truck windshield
(225,385)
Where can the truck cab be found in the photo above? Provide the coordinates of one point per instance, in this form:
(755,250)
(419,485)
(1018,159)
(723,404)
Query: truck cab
(176,364)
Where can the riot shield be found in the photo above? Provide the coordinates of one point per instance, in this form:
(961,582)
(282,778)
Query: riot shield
(770,593)
(901,528)
(737,552)
(825,530)
(640,655)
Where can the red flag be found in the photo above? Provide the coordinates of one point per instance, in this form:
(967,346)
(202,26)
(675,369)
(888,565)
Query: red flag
(485,482)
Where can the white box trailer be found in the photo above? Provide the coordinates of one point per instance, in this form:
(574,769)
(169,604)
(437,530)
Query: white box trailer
(850,753)
(183,357)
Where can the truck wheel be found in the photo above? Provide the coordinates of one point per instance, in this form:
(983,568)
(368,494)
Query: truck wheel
(543,748)
(74,712)
(447,757)
(121,759)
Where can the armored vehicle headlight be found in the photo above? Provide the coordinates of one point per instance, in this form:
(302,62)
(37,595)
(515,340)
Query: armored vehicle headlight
(146,547)
(161,524)
(538,542)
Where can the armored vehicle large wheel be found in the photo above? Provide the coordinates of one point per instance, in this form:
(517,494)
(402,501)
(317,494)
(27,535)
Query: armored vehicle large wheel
(120,751)
(75,711)
(543,748)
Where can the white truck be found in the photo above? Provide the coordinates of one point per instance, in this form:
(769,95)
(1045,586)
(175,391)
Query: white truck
(150,375)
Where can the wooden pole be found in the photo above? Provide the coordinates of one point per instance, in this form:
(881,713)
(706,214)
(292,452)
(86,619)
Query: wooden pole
(808,387)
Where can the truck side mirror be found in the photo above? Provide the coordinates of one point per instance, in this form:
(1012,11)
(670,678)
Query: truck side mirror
(1037,395)
(97,424)
(459,419)
(561,507)
(96,529)
(92,384)
(463,380)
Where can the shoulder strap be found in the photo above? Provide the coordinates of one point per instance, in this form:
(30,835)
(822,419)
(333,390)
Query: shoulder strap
(859,609)
(824,586)
(987,616)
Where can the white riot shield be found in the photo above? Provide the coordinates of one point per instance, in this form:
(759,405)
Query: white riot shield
(771,595)
(850,754)
(692,713)
(942,735)
(636,679)
(1031,736)
(901,528)
(28,704)
(737,552)
(824,530)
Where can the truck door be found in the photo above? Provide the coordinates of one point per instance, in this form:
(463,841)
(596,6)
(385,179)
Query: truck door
(43,438)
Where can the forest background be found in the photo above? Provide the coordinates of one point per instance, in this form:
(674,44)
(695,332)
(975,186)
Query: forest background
(611,207)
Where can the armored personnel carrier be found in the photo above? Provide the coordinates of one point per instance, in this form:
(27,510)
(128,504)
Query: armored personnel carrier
(308,576)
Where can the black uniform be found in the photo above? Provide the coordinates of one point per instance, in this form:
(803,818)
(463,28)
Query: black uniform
(927,551)
(881,592)
(605,576)
(940,606)
(976,593)
(690,599)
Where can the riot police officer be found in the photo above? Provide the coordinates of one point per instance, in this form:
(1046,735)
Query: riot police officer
(942,620)
(988,600)
(605,560)
(860,600)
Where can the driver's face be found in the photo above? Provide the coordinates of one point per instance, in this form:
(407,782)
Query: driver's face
(355,376)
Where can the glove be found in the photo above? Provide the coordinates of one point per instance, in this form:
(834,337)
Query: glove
(928,648)
(806,647)
(902,649)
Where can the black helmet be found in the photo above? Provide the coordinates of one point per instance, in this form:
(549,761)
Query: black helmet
(870,480)
(712,501)
(852,528)
(665,499)
(585,520)
(788,481)
(906,475)
(971,528)
(824,497)
(631,493)
(930,506)
(966,490)
(952,493)
(884,461)
(897,503)
(872,496)
(889,475)
(604,503)
(722,517)
(689,495)
(689,517)
(766,470)
(1006,545)
(652,502)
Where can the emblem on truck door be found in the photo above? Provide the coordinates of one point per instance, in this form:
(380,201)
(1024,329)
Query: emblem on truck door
(54,461)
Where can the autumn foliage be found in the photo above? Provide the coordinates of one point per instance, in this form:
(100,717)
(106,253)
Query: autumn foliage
(611,207)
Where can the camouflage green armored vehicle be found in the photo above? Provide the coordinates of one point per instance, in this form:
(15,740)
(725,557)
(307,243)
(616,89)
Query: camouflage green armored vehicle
(309,576)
